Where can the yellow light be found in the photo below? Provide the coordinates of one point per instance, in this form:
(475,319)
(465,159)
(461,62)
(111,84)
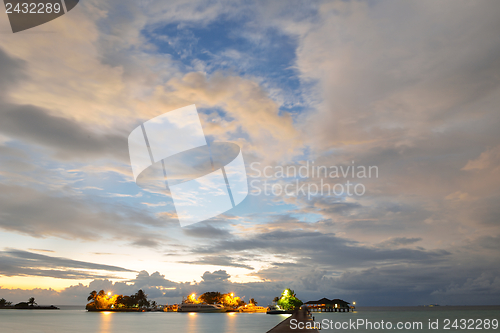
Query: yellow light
(353,303)
(193,295)
(109,293)
(232,294)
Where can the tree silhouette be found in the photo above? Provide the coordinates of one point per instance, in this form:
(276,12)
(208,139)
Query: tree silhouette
(141,299)
(92,296)
(252,301)
(31,301)
(4,302)
(96,296)
(211,297)
(288,300)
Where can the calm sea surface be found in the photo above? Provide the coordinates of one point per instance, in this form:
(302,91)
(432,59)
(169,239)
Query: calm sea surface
(413,319)
(74,319)
(77,320)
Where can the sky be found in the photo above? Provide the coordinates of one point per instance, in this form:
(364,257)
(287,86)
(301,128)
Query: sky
(409,90)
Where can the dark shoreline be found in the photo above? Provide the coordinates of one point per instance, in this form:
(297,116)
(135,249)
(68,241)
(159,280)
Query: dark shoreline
(120,310)
(50,307)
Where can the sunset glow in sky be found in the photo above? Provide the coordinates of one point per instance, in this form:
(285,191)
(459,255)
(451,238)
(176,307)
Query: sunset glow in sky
(411,89)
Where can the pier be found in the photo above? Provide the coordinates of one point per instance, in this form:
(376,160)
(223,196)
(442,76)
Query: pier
(302,316)
(327,305)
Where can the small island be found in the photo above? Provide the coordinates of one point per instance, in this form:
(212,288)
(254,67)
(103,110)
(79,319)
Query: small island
(29,305)
(287,303)
(101,301)
(212,301)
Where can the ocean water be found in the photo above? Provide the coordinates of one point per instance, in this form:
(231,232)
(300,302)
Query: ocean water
(77,320)
(412,319)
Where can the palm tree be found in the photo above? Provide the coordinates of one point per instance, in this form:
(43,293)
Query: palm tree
(95,296)
(288,293)
(142,299)
(31,301)
(252,301)
(4,302)
(92,296)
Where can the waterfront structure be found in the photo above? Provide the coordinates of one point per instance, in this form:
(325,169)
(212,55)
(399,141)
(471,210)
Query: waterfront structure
(327,305)
(200,307)
(252,308)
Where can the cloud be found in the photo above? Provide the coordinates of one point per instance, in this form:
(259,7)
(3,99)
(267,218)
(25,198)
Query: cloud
(12,72)
(487,159)
(220,260)
(250,112)
(23,263)
(70,139)
(317,249)
(219,276)
(41,250)
(43,214)
(399,241)
(486,283)
(206,231)
(146,242)
(144,280)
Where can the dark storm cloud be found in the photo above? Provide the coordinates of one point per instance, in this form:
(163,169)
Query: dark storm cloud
(419,282)
(321,249)
(23,263)
(395,284)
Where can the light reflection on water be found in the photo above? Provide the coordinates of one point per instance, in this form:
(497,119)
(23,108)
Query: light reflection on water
(105,321)
(80,321)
